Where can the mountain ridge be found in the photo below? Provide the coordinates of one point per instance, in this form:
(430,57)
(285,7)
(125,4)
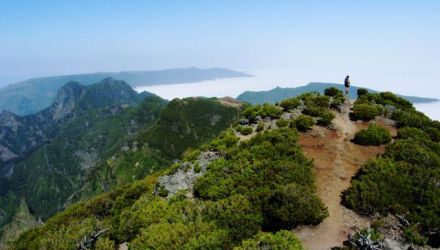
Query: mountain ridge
(35,94)
(277,94)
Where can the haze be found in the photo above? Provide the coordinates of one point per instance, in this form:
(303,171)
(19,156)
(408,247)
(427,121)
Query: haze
(386,45)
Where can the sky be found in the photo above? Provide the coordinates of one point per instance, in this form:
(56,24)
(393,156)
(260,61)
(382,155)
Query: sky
(389,45)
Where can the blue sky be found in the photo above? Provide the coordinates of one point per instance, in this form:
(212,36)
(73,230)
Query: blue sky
(383,43)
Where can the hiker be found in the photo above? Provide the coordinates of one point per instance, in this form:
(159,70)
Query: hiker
(347,84)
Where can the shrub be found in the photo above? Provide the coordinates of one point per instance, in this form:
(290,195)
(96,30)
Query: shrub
(402,181)
(365,112)
(282,208)
(304,122)
(289,104)
(104,244)
(394,100)
(362,92)
(283,239)
(412,235)
(246,130)
(260,126)
(224,141)
(326,118)
(265,110)
(313,111)
(411,118)
(320,101)
(269,161)
(415,151)
(271,111)
(409,132)
(237,214)
(433,133)
(281,123)
(373,135)
(333,92)
(336,102)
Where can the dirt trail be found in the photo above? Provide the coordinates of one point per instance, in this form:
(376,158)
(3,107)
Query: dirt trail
(336,160)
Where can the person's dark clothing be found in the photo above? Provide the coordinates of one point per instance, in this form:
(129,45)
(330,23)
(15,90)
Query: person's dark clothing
(347,82)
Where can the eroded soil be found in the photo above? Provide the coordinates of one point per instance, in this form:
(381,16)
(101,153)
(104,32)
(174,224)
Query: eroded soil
(336,160)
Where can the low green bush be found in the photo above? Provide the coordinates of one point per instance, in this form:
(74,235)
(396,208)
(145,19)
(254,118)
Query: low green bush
(289,104)
(336,102)
(410,132)
(281,123)
(326,118)
(315,111)
(303,123)
(412,235)
(411,118)
(373,135)
(265,110)
(282,240)
(268,168)
(362,92)
(333,92)
(365,112)
(401,181)
(282,208)
(260,126)
(434,133)
(246,130)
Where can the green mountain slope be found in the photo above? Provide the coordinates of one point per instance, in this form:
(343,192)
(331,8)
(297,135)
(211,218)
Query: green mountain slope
(20,135)
(250,186)
(188,123)
(137,213)
(238,188)
(102,145)
(35,94)
(278,94)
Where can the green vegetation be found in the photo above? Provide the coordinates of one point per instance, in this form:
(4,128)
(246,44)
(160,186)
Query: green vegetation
(260,126)
(282,123)
(246,130)
(36,94)
(326,118)
(362,92)
(317,105)
(303,123)
(403,180)
(281,240)
(189,122)
(278,94)
(106,147)
(289,104)
(264,183)
(257,169)
(365,111)
(333,92)
(265,110)
(410,132)
(373,135)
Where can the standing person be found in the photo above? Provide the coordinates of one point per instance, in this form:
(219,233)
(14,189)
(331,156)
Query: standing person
(347,84)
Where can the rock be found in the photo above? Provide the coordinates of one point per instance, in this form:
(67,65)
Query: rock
(258,118)
(244,121)
(185,175)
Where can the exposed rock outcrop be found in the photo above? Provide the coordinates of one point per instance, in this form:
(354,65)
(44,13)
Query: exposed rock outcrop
(185,175)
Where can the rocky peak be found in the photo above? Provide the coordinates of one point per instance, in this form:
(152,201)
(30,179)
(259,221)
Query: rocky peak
(109,92)
(9,119)
(66,100)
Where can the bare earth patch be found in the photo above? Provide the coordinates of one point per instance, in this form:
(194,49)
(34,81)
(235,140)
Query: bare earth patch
(336,160)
